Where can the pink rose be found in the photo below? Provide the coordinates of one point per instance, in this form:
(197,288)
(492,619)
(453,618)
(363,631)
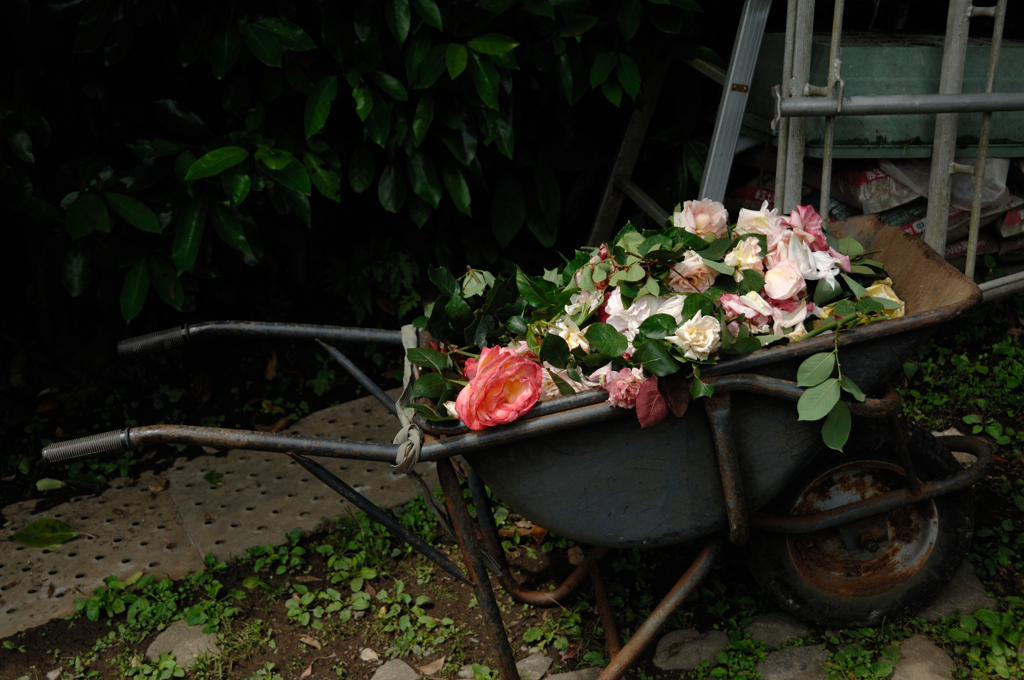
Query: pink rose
(506,385)
(470,368)
(754,309)
(842,260)
(690,275)
(807,220)
(623,386)
(783,281)
(703,218)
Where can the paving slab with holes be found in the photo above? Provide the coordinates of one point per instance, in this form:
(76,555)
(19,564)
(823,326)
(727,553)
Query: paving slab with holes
(165,525)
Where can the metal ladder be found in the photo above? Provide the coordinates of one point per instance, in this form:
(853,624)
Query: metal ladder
(797,99)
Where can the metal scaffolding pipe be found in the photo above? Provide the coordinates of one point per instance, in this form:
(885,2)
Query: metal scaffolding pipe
(870,105)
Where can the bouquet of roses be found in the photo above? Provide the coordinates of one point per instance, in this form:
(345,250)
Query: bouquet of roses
(650,305)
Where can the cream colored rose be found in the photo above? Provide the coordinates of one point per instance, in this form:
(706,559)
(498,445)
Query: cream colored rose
(567,329)
(698,337)
(763,221)
(690,275)
(883,289)
(783,281)
(746,255)
(703,218)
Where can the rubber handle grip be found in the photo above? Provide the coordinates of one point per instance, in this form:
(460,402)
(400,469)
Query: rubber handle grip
(115,441)
(152,342)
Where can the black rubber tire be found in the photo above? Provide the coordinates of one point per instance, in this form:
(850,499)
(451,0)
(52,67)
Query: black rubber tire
(815,594)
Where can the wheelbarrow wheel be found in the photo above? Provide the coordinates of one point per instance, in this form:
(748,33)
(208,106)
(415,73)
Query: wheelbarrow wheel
(882,567)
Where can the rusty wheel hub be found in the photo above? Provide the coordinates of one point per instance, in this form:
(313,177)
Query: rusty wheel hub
(871,556)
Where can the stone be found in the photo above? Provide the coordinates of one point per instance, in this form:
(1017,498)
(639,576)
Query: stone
(793,663)
(965,593)
(922,659)
(396,669)
(683,650)
(534,666)
(466,672)
(776,629)
(55,673)
(186,642)
(582,674)
(368,654)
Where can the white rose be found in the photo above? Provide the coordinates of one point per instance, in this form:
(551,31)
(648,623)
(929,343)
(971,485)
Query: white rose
(746,255)
(584,301)
(627,321)
(762,221)
(789,320)
(672,305)
(567,329)
(698,337)
(783,281)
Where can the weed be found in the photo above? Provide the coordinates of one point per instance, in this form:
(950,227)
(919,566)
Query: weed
(990,641)
(556,631)
(266,673)
(305,608)
(164,668)
(288,557)
(414,631)
(14,646)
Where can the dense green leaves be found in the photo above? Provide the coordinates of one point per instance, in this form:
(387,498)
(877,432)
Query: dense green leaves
(486,79)
(87,214)
(508,209)
(361,169)
(228,228)
(492,43)
(429,11)
(264,44)
(318,105)
(222,51)
(399,17)
(188,234)
(423,176)
(456,57)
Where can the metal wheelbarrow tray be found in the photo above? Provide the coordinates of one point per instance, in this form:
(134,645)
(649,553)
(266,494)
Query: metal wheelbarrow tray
(847,538)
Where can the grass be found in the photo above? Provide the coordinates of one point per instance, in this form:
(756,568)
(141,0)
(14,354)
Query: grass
(317,600)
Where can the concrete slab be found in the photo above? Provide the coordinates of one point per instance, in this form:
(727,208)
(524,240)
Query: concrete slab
(186,642)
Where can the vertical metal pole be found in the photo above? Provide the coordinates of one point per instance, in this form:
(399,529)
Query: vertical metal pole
(500,649)
(944,146)
(782,138)
(734,98)
(803,45)
(986,125)
(834,73)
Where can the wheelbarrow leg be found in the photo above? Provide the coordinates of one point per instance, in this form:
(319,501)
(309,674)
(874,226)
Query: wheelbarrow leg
(719,409)
(477,570)
(604,608)
(540,598)
(650,627)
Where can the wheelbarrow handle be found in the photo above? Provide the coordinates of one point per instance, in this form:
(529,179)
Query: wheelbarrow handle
(278,331)
(115,441)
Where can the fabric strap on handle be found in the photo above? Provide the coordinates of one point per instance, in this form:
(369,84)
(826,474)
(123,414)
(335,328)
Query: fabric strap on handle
(410,438)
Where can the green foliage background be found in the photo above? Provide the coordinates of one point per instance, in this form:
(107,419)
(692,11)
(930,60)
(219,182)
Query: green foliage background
(205,154)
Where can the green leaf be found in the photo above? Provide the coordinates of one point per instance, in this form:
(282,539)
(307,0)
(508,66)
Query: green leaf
(431,358)
(87,214)
(508,209)
(188,234)
(391,189)
(629,18)
(423,117)
(850,246)
(378,123)
(629,75)
(753,281)
(555,351)
(844,309)
(327,181)
(432,67)
(361,168)
(654,357)
(77,270)
(456,58)
(192,44)
(222,51)
(431,386)
(290,35)
(429,11)
(816,402)
(492,43)
(423,176)
(444,280)
(885,303)
(532,289)
(604,338)
(228,228)
(851,387)
(21,145)
(603,66)
(657,326)
(133,292)
(364,101)
(263,44)
(165,282)
(506,136)
(486,79)
(49,484)
(836,429)
(390,85)
(612,91)
(236,184)
(563,72)
(293,176)
(858,290)
(135,212)
(93,26)
(457,187)
(399,18)
(45,532)
(318,105)
(216,162)
(815,369)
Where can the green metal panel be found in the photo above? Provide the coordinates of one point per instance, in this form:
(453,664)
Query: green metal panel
(886,64)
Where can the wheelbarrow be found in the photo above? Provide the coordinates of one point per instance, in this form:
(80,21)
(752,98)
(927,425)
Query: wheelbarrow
(843,539)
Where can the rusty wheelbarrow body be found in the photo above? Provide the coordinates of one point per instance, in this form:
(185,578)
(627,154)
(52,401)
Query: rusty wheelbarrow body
(852,532)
